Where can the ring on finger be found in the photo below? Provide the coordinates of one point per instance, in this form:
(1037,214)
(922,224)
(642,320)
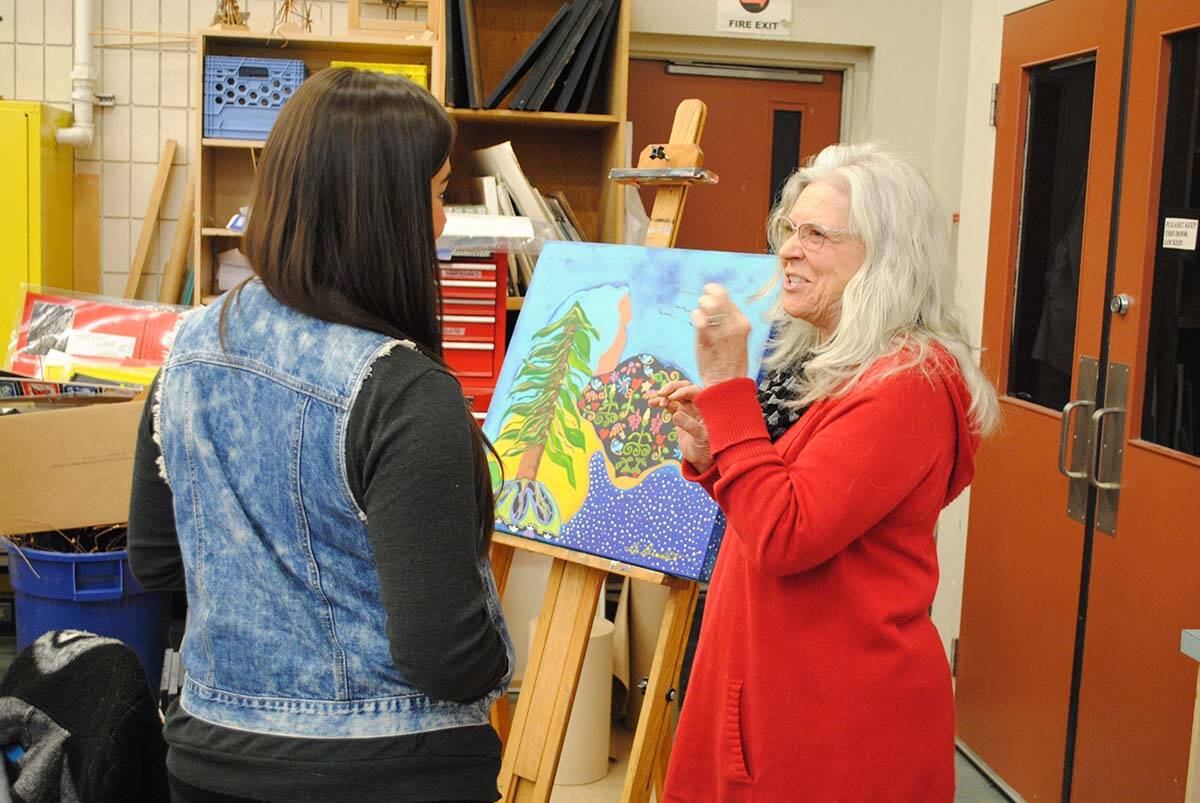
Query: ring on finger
(716,319)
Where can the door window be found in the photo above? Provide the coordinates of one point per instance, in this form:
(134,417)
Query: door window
(785,149)
(1051,231)
(1172,410)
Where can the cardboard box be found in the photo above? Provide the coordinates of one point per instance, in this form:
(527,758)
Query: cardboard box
(68,467)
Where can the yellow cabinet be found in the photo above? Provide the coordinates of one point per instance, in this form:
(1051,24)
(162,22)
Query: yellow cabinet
(36,177)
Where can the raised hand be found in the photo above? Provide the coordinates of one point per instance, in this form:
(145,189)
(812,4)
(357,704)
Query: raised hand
(721,335)
(678,398)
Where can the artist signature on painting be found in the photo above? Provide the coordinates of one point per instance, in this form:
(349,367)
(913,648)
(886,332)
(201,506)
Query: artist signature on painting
(648,551)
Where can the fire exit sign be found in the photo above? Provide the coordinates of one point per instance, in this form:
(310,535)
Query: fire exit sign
(755,17)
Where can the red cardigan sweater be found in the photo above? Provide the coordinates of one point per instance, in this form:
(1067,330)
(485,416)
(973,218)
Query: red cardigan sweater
(819,675)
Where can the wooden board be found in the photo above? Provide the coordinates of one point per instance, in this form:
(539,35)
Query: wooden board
(150,221)
(176,265)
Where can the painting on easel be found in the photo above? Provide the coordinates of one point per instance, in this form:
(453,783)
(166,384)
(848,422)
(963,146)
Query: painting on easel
(588,465)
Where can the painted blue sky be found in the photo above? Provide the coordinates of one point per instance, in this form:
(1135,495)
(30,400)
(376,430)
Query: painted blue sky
(664,285)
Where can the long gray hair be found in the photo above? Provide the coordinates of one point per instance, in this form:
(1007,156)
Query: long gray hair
(900,300)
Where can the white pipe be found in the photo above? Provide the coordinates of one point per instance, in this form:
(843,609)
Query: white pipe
(83,81)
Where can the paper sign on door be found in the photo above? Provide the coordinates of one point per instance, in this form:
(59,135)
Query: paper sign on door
(1179,233)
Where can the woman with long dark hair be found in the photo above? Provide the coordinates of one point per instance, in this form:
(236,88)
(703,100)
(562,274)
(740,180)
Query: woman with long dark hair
(308,469)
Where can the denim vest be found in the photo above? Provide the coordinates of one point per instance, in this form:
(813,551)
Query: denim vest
(286,630)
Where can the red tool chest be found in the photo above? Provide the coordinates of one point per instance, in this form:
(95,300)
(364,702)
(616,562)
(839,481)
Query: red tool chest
(474,305)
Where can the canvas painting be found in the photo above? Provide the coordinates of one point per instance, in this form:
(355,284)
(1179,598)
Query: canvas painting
(587,464)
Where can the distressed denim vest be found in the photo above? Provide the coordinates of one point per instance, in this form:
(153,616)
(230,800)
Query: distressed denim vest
(286,630)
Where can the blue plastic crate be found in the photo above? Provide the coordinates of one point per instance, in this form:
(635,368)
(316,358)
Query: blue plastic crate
(243,96)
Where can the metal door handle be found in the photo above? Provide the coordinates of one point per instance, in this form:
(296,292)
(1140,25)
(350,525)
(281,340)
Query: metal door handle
(1097,438)
(1062,439)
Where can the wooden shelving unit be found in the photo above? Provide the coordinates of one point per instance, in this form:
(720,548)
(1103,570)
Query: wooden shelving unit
(256,144)
(571,153)
(533,119)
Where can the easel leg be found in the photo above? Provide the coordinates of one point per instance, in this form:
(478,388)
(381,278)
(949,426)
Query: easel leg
(502,560)
(501,713)
(660,762)
(651,743)
(551,676)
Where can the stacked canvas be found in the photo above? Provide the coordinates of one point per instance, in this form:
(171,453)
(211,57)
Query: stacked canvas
(502,188)
(557,72)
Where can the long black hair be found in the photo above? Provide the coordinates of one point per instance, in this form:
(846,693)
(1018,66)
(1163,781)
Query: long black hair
(341,218)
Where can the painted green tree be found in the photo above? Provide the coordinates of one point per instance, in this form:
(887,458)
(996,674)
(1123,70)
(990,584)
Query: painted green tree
(544,395)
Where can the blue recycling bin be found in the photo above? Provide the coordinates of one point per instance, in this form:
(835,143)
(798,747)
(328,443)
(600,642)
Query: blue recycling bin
(92,591)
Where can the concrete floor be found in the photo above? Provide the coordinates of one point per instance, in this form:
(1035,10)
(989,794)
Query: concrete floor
(973,787)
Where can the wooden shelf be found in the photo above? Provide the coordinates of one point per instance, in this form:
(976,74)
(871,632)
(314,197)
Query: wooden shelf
(545,119)
(210,231)
(516,302)
(215,142)
(352,43)
(317,51)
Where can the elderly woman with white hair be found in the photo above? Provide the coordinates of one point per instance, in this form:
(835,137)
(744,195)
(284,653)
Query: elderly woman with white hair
(819,675)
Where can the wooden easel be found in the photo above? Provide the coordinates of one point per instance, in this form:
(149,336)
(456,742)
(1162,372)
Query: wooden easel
(539,724)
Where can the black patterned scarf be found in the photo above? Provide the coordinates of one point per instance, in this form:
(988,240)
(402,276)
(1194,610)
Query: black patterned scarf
(775,389)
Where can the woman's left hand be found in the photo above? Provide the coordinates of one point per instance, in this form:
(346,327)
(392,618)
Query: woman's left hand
(721,334)
(679,399)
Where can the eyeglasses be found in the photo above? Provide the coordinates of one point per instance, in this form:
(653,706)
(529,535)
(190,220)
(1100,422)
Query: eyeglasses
(813,236)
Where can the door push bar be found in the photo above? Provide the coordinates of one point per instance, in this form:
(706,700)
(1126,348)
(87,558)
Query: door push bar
(1097,438)
(1069,408)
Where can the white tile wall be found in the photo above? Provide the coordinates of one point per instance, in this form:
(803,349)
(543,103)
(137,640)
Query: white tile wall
(115,251)
(146,145)
(173,16)
(30,20)
(173,123)
(145,78)
(115,14)
(59,25)
(175,72)
(116,120)
(115,78)
(144,14)
(30,73)
(8,31)
(141,181)
(58,73)
(200,14)
(114,189)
